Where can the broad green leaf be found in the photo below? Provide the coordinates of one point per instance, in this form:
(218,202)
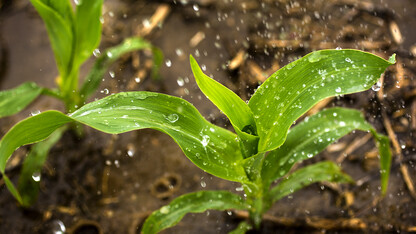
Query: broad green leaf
(102,63)
(242,228)
(87,29)
(233,107)
(313,135)
(14,100)
(198,202)
(58,18)
(318,172)
(294,89)
(28,187)
(211,148)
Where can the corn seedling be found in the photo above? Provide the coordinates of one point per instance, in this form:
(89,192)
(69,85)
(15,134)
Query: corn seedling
(74,35)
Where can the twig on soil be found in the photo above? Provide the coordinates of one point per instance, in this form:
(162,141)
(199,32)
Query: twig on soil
(157,18)
(237,60)
(395,32)
(352,147)
(197,38)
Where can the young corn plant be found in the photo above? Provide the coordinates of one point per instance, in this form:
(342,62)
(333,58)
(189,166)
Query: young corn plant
(74,35)
(262,149)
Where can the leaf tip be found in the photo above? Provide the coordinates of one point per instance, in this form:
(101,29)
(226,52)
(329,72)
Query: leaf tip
(392,59)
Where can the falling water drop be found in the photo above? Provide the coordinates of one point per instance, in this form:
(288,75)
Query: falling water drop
(58,227)
(137,79)
(112,74)
(377,86)
(36,176)
(168,63)
(195,7)
(96,53)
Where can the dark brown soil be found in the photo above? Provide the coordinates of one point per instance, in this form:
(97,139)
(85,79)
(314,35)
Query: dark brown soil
(109,183)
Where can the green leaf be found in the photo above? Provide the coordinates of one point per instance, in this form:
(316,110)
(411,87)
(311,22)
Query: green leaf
(383,144)
(14,100)
(226,100)
(58,18)
(242,228)
(233,107)
(294,89)
(28,187)
(313,135)
(102,63)
(318,172)
(87,29)
(28,131)
(198,202)
(211,148)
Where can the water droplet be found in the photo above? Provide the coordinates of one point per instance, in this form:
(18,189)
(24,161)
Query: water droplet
(107,162)
(348,60)
(58,227)
(338,90)
(309,155)
(172,118)
(195,7)
(117,163)
(168,63)
(77,2)
(203,184)
(179,52)
(239,189)
(403,146)
(164,210)
(137,79)
(105,91)
(342,124)
(377,86)
(146,23)
(36,176)
(180,81)
(35,112)
(205,140)
(96,52)
(109,54)
(203,67)
(112,74)
(338,48)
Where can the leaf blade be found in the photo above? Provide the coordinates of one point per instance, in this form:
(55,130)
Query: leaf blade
(14,100)
(87,29)
(305,82)
(313,135)
(58,18)
(94,77)
(318,172)
(197,202)
(210,147)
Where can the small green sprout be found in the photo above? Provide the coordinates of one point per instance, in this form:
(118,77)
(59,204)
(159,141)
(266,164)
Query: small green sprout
(74,35)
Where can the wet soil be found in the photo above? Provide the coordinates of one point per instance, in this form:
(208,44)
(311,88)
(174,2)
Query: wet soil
(108,183)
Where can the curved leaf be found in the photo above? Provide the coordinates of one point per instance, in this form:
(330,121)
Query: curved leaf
(318,172)
(198,202)
(14,100)
(294,89)
(242,228)
(233,107)
(313,135)
(102,63)
(87,29)
(211,148)
(58,18)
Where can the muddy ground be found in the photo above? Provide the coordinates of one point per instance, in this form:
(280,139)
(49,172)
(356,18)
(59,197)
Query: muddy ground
(108,183)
